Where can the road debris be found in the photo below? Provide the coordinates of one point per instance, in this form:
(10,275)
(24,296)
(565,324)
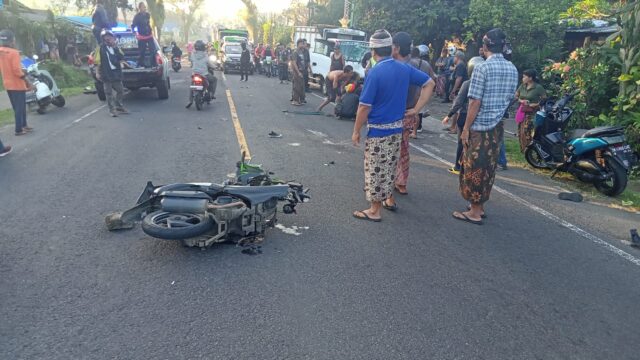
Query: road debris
(570,196)
(274,134)
(635,239)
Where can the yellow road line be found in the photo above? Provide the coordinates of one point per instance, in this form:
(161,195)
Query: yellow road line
(236,124)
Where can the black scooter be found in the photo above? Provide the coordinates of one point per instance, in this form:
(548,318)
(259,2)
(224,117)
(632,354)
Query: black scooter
(202,214)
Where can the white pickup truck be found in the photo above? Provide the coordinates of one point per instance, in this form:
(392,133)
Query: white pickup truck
(323,40)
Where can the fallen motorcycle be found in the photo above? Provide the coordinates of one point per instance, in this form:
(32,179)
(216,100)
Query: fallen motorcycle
(46,90)
(202,214)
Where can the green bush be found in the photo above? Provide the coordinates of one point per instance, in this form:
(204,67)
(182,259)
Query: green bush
(67,76)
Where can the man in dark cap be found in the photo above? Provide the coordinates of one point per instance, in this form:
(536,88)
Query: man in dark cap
(14,80)
(383,108)
(402,52)
(491,90)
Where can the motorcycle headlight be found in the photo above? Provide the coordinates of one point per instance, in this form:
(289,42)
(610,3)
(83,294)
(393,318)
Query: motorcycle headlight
(213,58)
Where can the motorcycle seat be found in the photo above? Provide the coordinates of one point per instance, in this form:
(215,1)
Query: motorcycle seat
(604,131)
(257,194)
(577,133)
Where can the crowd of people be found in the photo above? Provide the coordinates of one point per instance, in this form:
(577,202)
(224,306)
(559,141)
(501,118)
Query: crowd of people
(397,87)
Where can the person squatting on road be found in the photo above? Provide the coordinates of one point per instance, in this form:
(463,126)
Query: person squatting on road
(492,87)
(458,112)
(401,52)
(15,80)
(382,107)
(109,72)
(201,67)
(335,80)
(99,20)
(142,25)
(298,64)
(245,62)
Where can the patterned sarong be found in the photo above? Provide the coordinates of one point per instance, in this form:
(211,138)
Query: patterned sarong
(479,162)
(380,162)
(402,172)
(525,131)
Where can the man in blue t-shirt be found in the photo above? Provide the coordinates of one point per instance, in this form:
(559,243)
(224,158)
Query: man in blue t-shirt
(383,107)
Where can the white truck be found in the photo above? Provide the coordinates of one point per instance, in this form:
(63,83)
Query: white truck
(323,39)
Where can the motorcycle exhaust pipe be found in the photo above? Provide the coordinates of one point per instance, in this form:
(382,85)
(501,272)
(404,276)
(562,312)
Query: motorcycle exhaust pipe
(184,205)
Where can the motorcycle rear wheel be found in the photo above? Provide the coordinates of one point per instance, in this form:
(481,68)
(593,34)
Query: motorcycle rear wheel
(198,101)
(618,182)
(534,159)
(58,101)
(174,226)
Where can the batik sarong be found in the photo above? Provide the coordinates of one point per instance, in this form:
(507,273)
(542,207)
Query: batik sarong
(402,172)
(380,162)
(479,162)
(525,131)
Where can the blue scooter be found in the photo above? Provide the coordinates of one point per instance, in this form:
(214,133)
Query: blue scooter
(598,156)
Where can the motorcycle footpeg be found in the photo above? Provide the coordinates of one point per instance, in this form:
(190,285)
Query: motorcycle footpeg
(114,222)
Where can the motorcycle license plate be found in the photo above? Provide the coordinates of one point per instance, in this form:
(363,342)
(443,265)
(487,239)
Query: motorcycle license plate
(624,153)
(196,87)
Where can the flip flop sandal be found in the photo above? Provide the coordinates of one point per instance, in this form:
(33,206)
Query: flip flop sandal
(392,208)
(23,132)
(364,217)
(466,219)
(571,196)
(483,216)
(401,192)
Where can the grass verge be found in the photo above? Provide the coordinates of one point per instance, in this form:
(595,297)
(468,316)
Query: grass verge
(6,117)
(628,200)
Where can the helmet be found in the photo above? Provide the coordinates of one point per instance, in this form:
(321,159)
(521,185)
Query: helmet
(473,63)
(199,45)
(424,50)
(350,88)
(452,50)
(106,32)
(6,37)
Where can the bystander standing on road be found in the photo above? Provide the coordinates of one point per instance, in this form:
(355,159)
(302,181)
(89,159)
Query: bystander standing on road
(142,26)
(459,74)
(307,70)
(382,108)
(421,55)
(337,59)
(100,21)
(335,81)
(298,65)
(245,62)
(110,73)
(283,64)
(490,92)
(14,80)
(529,95)
(458,112)
(401,52)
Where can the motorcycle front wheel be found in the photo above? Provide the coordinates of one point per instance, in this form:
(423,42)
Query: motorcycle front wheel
(534,159)
(176,226)
(618,181)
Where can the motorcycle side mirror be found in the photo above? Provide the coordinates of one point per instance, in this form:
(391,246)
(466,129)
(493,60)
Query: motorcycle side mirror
(35,57)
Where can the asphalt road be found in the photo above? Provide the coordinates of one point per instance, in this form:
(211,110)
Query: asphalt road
(542,279)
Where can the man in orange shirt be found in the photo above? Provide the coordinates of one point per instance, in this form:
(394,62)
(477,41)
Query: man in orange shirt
(15,80)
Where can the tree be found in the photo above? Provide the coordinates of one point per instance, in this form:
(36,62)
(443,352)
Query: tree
(533,27)
(250,18)
(156,10)
(326,11)
(124,7)
(186,10)
(297,13)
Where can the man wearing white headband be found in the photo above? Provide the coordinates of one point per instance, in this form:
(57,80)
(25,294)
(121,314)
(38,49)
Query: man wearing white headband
(382,107)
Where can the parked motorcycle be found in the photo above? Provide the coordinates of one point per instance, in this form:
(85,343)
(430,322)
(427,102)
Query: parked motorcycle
(598,156)
(176,63)
(200,91)
(46,90)
(202,214)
